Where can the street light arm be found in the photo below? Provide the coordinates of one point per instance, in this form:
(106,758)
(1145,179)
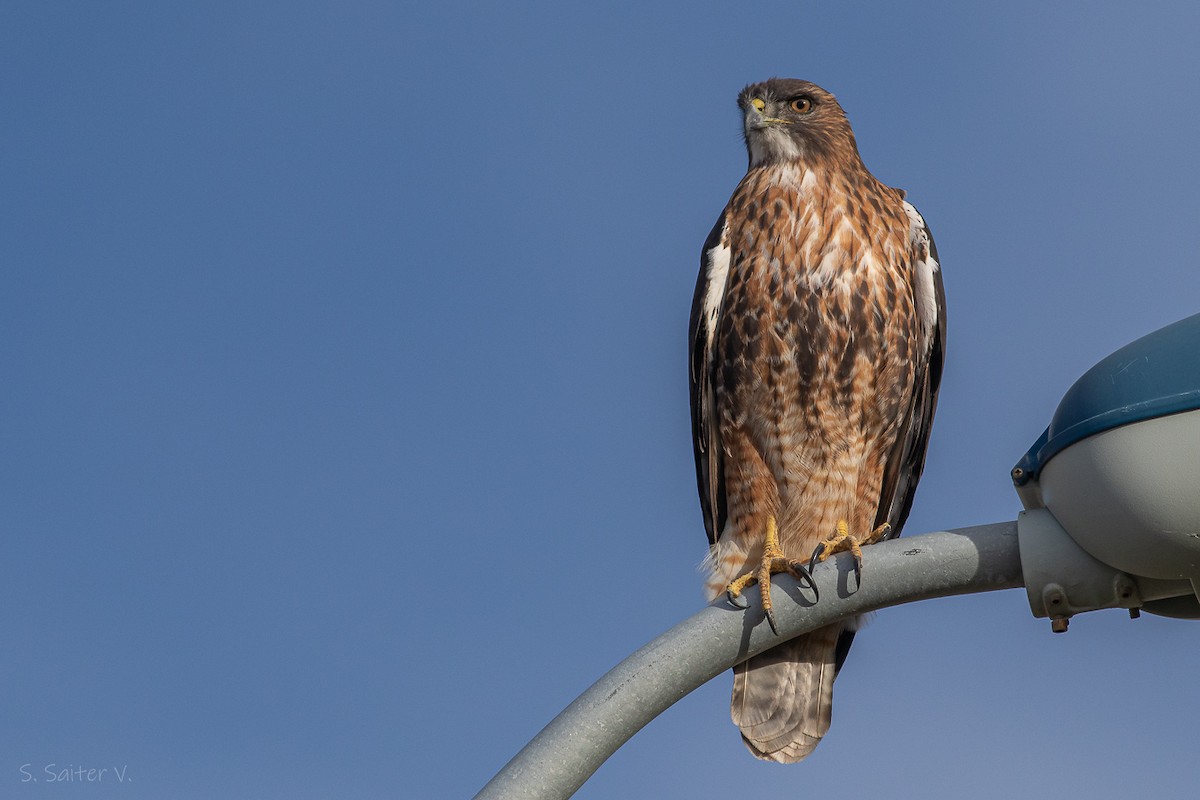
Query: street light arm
(556,763)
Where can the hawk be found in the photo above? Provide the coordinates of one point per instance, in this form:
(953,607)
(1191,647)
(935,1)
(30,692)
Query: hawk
(817,339)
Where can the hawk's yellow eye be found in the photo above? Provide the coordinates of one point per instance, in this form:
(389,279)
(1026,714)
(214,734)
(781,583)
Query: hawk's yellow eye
(801,105)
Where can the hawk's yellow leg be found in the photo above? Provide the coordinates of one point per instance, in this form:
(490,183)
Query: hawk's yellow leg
(773,562)
(844,540)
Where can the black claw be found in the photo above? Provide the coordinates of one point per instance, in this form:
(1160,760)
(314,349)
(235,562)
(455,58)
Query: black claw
(771,621)
(806,579)
(857,573)
(737,601)
(816,558)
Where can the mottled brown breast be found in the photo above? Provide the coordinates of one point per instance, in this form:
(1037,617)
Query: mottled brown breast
(814,347)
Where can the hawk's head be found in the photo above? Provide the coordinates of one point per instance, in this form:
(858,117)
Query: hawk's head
(785,119)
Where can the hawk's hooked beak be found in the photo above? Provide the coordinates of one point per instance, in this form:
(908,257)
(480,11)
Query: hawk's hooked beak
(755,115)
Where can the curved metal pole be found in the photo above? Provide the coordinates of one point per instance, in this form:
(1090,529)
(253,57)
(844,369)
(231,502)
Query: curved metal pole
(565,754)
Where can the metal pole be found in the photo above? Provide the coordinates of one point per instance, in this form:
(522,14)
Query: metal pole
(573,746)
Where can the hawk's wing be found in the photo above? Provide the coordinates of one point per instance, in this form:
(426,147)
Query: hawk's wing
(908,457)
(706,314)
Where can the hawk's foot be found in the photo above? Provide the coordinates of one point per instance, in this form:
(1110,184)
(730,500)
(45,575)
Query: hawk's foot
(773,563)
(844,540)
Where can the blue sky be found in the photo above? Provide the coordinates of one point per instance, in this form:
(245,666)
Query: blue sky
(343,429)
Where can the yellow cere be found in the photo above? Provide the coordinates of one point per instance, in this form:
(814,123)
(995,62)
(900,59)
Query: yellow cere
(758,103)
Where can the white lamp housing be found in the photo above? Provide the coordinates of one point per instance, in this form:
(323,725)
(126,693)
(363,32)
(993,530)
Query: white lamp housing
(1112,488)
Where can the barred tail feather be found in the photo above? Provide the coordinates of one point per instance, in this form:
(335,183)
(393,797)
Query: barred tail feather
(783,698)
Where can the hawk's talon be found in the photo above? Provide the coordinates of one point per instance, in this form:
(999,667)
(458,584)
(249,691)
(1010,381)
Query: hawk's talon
(736,600)
(773,563)
(844,540)
(817,557)
(733,594)
(803,575)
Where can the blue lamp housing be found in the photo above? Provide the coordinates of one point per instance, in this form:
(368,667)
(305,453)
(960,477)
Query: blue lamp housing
(1118,469)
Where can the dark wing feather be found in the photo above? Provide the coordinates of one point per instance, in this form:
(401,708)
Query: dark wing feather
(907,460)
(705,435)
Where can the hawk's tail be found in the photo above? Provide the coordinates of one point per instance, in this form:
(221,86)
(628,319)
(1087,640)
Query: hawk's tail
(783,698)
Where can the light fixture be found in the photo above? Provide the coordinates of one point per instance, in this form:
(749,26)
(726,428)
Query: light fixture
(1112,487)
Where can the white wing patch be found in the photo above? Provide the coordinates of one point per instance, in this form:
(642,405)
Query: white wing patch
(925,266)
(716,266)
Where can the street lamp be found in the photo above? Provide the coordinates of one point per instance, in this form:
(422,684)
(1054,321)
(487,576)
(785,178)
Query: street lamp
(1112,487)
